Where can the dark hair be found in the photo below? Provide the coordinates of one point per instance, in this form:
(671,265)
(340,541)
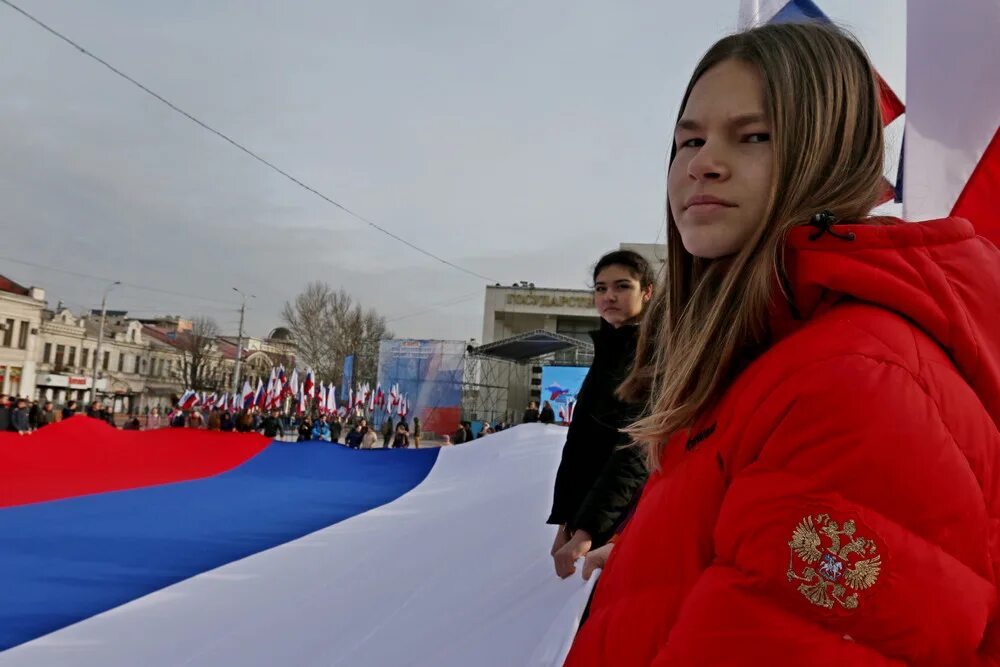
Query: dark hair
(631,260)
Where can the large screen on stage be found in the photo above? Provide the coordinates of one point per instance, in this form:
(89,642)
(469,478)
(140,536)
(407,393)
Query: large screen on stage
(561,384)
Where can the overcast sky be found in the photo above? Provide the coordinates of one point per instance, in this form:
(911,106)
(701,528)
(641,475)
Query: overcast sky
(517,139)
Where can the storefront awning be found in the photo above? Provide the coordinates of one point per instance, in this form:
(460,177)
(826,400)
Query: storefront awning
(531,345)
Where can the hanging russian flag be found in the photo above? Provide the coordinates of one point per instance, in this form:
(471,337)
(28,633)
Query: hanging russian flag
(247,395)
(259,396)
(282,383)
(188,400)
(760,12)
(952,156)
(310,383)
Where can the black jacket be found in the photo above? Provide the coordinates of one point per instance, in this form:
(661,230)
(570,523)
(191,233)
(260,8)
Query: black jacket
(271,427)
(547,415)
(353,439)
(598,475)
(19,420)
(530,416)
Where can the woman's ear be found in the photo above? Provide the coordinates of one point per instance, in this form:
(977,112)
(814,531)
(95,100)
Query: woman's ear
(647,293)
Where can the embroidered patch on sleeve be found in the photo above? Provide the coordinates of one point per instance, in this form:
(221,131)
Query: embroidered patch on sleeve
(832,563)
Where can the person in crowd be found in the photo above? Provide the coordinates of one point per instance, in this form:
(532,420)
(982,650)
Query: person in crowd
(70,409)
(257,419)
(547,414)
(305,429)
(369,438)
(94,409)
(599,474)
(132,423)
(416,432)
(108,414)
(227,424)
(34,415)
(244,422)
(459,436)
(355,436)
(467,427)
(177,418)
(530,414)
(48,414)
(19,419)
(5,408)
(402,437)
(446,441)
(321,429)
(195,419)
(387,431)
(824,392)
(271,425)
(214,420)
(486,429)
(153,419)
(336,428)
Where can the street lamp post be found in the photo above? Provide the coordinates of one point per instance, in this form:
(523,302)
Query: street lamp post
(239,342)
(100,339)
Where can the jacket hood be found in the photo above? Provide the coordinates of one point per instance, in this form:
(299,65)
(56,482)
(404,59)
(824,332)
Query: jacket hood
(938,274)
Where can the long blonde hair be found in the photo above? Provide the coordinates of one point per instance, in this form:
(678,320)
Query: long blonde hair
(709,317)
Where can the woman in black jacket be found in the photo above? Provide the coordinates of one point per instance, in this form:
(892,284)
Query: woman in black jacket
(599,474)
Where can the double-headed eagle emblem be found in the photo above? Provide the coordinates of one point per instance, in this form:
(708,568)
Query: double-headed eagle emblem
(834,561)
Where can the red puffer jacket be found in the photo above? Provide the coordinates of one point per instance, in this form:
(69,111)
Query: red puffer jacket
(840,505)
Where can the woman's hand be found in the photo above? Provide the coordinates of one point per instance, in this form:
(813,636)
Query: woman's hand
(562,537)
(596,560)
(565,558)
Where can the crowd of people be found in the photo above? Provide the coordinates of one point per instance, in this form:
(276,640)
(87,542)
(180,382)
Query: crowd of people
(24,416)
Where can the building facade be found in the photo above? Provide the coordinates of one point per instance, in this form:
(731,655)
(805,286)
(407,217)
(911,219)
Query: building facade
(20,320)
(51,355)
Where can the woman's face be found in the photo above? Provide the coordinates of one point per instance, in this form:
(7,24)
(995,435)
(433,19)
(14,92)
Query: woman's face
(618,295)
(720,178)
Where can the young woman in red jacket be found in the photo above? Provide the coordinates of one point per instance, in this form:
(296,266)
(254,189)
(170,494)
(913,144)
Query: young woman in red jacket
(825,393)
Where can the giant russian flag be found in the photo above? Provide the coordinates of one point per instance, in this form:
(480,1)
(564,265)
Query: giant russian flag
(185,547)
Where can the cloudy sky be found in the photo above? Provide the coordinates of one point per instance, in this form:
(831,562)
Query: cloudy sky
(517,139)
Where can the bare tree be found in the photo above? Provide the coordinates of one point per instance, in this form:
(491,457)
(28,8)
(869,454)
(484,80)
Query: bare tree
(201,365)
(329,326)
